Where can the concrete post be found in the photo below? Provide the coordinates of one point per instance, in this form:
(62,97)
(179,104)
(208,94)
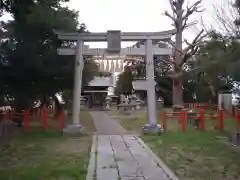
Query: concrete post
(76,127)
(151,99)
(150,83)
(77,83)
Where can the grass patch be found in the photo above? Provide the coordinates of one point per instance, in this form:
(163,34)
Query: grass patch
(194,155)
(47,155)
(133,124)
(54,123)
(87,122)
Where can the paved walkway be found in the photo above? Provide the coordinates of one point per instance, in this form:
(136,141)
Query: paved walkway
(106,125)
(117,156)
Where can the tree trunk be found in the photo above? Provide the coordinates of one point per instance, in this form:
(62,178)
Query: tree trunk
(58,107)
(214,99)
(44,102)
(177,82)
(20,103)
(177,94)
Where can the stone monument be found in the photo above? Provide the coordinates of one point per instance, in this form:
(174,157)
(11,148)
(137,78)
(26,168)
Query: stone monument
(82,102)
(160,103)
(225,101)
(138,103)
(108,101)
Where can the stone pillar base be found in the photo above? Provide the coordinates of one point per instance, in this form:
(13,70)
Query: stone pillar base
(73,129)
(107,107)
(138,107)
(152,129)
(82,107)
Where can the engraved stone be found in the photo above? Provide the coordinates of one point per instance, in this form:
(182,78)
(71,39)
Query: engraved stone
(114,41)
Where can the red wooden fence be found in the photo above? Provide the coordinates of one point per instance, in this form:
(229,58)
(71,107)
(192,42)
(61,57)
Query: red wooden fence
(202,116)
(36,113)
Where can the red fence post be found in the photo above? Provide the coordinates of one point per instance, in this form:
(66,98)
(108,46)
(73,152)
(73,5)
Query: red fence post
(164,123)
(44,118)
(205,106)
(39,112)
(220,120)
(183,120)
(62,118)
(202,122)
(26,120)
(9,115)
(36,112)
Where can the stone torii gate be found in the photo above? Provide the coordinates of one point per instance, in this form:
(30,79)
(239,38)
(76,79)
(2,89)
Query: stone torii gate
(114,39)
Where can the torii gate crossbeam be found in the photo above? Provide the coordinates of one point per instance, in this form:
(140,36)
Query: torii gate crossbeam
(125,36)
(124,51)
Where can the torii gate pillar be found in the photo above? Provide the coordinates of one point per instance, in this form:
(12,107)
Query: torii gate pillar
(76,127)
(151,95)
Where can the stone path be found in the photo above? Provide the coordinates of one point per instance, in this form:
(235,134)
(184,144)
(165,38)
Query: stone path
(117,156)
(106,125)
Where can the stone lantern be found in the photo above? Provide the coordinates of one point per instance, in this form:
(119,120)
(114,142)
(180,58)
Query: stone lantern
(133,101)
(108,102)
(160,103)
(82,102)
(138,103)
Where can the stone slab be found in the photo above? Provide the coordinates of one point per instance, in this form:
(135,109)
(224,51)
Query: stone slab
(152,129)
(161,164)
(110,173)
(132,178)
(106,125)
(73,129)
(92,163)
(106,165)
(145,162)
(129,169)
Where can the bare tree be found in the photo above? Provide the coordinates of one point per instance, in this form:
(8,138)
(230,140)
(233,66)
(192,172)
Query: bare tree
(180,17)
(237,8)
(227,18)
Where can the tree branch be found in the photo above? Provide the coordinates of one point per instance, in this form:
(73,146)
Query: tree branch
(173,6)
(195,41)
(192,9)
(174,46)
(170,16)
(224,18)
(180,19)
(192,70)
(167,62)
(186,25)
(193,47)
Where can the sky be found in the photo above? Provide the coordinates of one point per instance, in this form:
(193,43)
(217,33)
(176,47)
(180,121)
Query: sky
(135,15)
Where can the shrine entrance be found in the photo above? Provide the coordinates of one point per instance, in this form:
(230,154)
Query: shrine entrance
(114,39)
(95,99)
